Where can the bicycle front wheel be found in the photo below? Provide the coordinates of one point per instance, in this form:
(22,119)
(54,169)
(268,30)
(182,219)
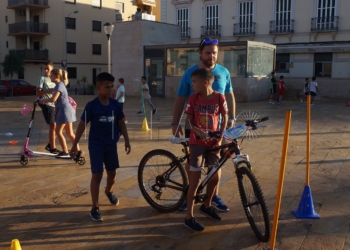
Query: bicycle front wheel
(253,202)
(161,181)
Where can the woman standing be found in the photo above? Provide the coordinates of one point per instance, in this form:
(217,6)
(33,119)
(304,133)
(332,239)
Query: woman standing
(65,113)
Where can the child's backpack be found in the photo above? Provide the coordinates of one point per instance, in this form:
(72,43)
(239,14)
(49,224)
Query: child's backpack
(306,88)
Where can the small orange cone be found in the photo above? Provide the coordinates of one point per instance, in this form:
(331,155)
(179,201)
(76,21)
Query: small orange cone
(15,245)
(145,125)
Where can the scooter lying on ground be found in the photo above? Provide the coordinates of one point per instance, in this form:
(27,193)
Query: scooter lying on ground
(26,153)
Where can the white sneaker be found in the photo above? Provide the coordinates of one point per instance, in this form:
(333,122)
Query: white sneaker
(301,100)
(272,102)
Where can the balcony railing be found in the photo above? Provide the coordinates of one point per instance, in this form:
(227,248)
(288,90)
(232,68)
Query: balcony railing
(44,3)
(185,32)
(324,23)
(211,31)
(244,29)
(147,2)
(34,55)
(28,27)
(148,17)
(282,26)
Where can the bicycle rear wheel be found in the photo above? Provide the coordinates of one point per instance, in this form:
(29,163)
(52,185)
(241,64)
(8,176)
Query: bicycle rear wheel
(162,183)
(253,202)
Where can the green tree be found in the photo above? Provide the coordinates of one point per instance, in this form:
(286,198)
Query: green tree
(13,64)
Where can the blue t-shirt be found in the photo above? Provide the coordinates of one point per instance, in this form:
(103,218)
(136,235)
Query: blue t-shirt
(221,84)
(104,129)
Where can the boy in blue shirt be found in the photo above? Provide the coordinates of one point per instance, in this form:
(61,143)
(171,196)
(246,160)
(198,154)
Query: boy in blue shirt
(107,124)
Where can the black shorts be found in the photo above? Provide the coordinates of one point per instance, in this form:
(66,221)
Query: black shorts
(312,93)
(121,104)
(49,113)
(274,89)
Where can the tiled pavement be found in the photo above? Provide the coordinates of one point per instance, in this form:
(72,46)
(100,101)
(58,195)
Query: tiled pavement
(46,203)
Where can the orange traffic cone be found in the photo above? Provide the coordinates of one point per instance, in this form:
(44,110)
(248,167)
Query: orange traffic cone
(15,245)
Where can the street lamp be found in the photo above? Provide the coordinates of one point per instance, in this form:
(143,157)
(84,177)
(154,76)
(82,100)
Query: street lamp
(108,27)
(65,36)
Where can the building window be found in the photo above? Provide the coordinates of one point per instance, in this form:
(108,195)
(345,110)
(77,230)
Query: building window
(97,3)
(326,19)
(119,6)
(72,72)
(246,25)
(70,23)
(323,64)
(71,48)
(283,16)
(96,49)
(282,63)
(182,20)
(212,20)
(96,26)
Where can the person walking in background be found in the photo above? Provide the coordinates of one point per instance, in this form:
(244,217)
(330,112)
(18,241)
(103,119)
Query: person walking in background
(273,87)
(281,89)
(306,89)
(120,96)
(44,89)
(313,89)
(65,113)
(145,96)
(106,125)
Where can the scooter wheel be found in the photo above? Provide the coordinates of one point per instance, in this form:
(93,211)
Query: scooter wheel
(81,161)
(24,160)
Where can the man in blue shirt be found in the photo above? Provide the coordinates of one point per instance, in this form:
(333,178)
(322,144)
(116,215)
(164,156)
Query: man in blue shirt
(208,51)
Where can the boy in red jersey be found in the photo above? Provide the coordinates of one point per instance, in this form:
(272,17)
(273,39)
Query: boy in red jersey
(203,110)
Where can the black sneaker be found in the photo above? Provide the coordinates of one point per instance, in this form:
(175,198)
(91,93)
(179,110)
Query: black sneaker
(154,111)
(139,113)
(55,151)
(48,147)
(95,214)
(210,212)
(112,198)
(62,155)
(194,225)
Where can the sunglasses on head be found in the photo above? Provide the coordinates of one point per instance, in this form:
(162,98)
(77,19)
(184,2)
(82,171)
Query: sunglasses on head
(209,41)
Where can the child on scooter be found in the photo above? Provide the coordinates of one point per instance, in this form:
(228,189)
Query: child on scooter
(65,113)
(106,117)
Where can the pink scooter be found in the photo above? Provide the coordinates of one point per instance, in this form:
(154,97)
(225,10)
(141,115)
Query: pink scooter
(27,153)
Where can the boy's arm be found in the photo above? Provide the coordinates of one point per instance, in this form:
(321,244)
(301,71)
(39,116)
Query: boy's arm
(124,132)
(78,133)
(120,95)
(189,123)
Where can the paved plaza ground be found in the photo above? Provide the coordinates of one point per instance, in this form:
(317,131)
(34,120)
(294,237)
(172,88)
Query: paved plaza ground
(46,204)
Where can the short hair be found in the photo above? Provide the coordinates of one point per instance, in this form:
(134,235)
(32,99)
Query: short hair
(48,63)
(121,80)
(143,77)
(313,78)
(202,44)
(204,74)
(273,72)
(104,76)
(281,77)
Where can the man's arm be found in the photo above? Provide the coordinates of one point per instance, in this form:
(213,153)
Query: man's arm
(231,105)
(177,112)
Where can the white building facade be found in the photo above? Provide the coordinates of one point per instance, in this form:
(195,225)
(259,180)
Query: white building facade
(312,37)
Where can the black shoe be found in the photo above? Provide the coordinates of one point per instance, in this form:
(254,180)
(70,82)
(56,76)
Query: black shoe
(112,198)
(55,151)
(95,214)
(48,147)
(62,155)
(139,113)
(210,212)
(194,225)
(154,111)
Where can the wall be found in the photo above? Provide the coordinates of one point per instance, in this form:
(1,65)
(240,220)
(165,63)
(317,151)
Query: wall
(127,44)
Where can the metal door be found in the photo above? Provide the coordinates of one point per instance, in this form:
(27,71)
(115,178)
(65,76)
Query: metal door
(154,70)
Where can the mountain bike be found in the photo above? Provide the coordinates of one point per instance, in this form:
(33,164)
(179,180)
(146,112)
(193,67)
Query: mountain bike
(163,180)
